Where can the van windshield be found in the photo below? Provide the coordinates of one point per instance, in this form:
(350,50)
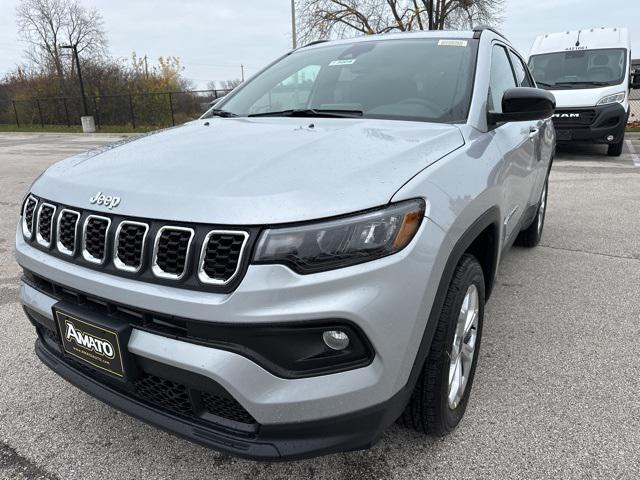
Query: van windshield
(579,68)
(421,79)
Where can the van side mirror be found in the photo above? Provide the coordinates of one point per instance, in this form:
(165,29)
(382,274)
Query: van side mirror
(635,79)
(523,104)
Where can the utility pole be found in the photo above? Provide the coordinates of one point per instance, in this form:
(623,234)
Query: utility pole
(294,39)
(88,123)
(146,69)
(242,71)
(74,47)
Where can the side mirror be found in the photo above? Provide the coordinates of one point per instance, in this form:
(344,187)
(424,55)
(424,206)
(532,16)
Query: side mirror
(524,104)
(635,79)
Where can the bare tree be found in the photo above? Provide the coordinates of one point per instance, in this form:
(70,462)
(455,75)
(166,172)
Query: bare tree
(224,84)
(46,24)
(339,18)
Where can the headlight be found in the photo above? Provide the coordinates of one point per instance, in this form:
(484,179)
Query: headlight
(342,242)
(615,98)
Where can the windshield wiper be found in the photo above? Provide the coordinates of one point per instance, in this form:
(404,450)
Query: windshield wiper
(216,112)
(311,112)
(585,82)
(543,84)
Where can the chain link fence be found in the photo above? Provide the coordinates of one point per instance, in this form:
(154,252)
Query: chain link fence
(142,110)
(634,115)
(634,98)
(146,109)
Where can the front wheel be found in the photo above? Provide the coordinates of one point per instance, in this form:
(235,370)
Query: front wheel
(440,397)
(615,149)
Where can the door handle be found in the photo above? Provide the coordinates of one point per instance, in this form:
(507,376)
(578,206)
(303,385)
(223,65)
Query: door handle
(533,131)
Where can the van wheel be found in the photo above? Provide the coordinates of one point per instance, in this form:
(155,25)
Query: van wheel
(615,149)
(440,397)
(530,237)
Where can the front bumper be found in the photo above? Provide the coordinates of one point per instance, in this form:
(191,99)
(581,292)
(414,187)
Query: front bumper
(388,299)
(593,124)
(289,441)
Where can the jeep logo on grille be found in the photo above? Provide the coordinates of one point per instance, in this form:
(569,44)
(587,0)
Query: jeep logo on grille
(108,201)
(566,115)
(88,341)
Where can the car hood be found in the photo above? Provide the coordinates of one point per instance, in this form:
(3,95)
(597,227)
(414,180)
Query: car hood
(584,97)
(248,171)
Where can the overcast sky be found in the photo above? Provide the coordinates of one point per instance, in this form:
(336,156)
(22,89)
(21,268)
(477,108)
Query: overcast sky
(213,37)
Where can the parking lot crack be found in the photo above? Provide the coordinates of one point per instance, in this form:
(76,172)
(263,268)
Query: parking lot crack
(19,466)
(600,254)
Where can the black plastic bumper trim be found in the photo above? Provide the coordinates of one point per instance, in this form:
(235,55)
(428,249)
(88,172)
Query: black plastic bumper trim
(354,431)
(271,346)
(609,120)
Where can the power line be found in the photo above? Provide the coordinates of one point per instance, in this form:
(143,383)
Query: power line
(227,65)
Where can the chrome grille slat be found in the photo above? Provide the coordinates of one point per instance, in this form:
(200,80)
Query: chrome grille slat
(128,248)
(67,231)
(94,248)
(171,251)
(44,224)
(219,245)
(28,211)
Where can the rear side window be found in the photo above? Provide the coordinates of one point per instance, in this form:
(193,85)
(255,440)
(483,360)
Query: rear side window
(522,76)
(501,78)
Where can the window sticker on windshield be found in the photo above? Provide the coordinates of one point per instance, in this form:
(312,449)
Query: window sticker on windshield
(346,61)
(452,43)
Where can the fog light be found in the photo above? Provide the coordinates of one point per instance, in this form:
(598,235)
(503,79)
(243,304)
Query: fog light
(335,339)
(610,138)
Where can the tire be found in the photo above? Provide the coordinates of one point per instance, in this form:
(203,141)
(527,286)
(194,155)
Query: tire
(615,149)
(430,409)
(530,237)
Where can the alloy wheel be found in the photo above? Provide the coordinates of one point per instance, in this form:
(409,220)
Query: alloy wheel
(543,208)
(464,346)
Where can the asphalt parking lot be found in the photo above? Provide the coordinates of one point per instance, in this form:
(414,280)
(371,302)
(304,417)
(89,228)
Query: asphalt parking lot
(557,388)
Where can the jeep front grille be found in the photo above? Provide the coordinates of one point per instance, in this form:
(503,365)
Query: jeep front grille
(220,256)
(44,224)
(67,231)
(94,238)
(27,216)
(171,252)
(129,245)
(192,256)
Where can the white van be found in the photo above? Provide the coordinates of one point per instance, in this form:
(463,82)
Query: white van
(589,72)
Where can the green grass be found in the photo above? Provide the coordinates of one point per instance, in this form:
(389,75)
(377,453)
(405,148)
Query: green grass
(75,129)
(633,129)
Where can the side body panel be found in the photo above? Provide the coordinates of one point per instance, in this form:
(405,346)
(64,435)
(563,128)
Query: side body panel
(497,169)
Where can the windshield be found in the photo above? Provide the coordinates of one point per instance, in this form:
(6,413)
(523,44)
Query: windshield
(408,79)
(579,68)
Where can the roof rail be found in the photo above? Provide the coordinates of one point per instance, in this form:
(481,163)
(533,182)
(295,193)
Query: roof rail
(477,31)
(315,42)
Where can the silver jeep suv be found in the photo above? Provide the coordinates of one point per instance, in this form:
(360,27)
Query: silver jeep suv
(309,261)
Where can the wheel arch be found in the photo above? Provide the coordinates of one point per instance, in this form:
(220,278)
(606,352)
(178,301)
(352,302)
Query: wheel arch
(481,239)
